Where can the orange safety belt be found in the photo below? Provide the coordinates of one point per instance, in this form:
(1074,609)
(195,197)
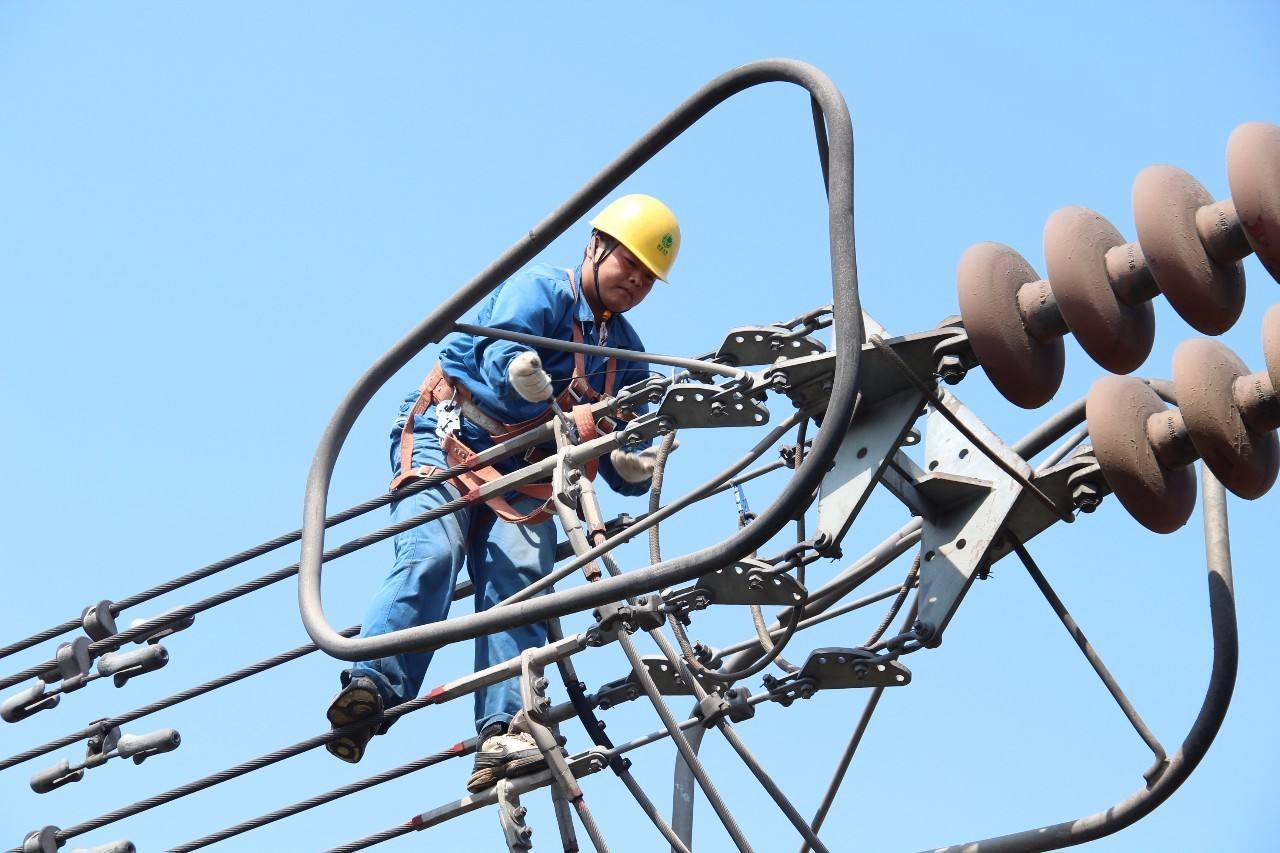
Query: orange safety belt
(439,387)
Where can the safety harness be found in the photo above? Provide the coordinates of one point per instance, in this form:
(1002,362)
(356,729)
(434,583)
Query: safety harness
(453,402)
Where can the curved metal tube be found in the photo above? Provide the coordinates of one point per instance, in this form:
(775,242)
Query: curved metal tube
(848,328)
(1222,681)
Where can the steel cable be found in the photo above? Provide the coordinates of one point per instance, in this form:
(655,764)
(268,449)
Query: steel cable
(241,769)
(234,560)
(151,625)
(458,749)
(168,702)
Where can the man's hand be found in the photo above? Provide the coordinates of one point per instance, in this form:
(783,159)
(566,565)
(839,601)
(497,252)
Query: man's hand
(528,378)
(636,467)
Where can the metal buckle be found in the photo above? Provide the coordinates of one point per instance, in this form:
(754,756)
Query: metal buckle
(448,417)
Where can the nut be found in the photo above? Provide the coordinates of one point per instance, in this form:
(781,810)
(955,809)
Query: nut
(951,369)
(1086,497)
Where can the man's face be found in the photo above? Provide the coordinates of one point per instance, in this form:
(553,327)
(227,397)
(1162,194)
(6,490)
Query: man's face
(624,281)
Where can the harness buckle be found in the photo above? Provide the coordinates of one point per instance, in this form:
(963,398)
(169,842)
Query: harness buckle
(448,417)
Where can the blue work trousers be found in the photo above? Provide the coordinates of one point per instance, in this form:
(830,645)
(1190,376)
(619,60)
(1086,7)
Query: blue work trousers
(501,558)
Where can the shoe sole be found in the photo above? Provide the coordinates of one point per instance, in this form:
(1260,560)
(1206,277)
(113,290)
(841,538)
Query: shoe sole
(350,748)
(353,705)
(486,777)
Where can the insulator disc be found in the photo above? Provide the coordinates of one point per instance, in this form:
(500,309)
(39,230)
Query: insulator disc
(1207,294)
(1026,371)
(1271,345)
(1115,335)
(1204,372)
(1159,498)
(1253,170)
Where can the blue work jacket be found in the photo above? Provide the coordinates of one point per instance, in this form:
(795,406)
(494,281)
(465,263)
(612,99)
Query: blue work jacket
(538,301)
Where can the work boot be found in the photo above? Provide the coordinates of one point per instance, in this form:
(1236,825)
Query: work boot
(357,700)
(503,754)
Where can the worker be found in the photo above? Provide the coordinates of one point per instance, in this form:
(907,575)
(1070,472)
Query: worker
(482,389)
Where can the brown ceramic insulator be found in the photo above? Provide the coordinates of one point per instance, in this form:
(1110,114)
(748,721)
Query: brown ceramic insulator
(1253,171)
(1115,334)
(1027,371)
(1205,374)
(1159,498)
(1178,224)
(1271,345)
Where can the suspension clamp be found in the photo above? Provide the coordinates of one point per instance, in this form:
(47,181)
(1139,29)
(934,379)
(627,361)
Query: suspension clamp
(647,614)
(732,704)
(166,629)
(125,665)
(98,621)
(615,693)
(28,701)
(102,746)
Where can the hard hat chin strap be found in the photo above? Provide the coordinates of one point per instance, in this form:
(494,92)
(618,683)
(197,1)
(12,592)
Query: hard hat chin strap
(598,258)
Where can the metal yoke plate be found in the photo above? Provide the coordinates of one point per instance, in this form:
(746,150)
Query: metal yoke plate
(751,582)
(873,438)
(839,668)
(747,345)
(957,541)
(668,680)
(694,404)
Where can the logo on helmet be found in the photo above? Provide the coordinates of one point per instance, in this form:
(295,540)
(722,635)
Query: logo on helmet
(664,245)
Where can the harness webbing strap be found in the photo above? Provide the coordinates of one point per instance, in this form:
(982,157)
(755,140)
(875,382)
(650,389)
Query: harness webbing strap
(439,387)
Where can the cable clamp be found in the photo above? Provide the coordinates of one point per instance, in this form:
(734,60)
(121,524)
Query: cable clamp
(126,665)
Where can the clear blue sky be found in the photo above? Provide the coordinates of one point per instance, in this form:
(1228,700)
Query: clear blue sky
(213,217)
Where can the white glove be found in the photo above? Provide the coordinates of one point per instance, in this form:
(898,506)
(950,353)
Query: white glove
(636,467)
(528,378)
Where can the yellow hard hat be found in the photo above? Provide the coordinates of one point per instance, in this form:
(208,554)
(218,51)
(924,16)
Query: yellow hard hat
(646,226)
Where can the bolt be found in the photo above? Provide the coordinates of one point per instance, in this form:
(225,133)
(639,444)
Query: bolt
(755,582)
(520,812)
(951,369)
(718,410)
(573,475)
(1086,497)
(665,425)
(779,382)
(923,631)
(860,671)
(541,684)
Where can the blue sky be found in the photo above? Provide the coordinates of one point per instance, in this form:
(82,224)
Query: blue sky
(213,217)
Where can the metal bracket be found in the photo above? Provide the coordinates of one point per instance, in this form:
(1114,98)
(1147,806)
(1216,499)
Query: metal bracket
(518,834)
(872,439)
(751,345)
(1074,481)
(751,581)
(668,679)
(972,499)
(839,668)
(691,405)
